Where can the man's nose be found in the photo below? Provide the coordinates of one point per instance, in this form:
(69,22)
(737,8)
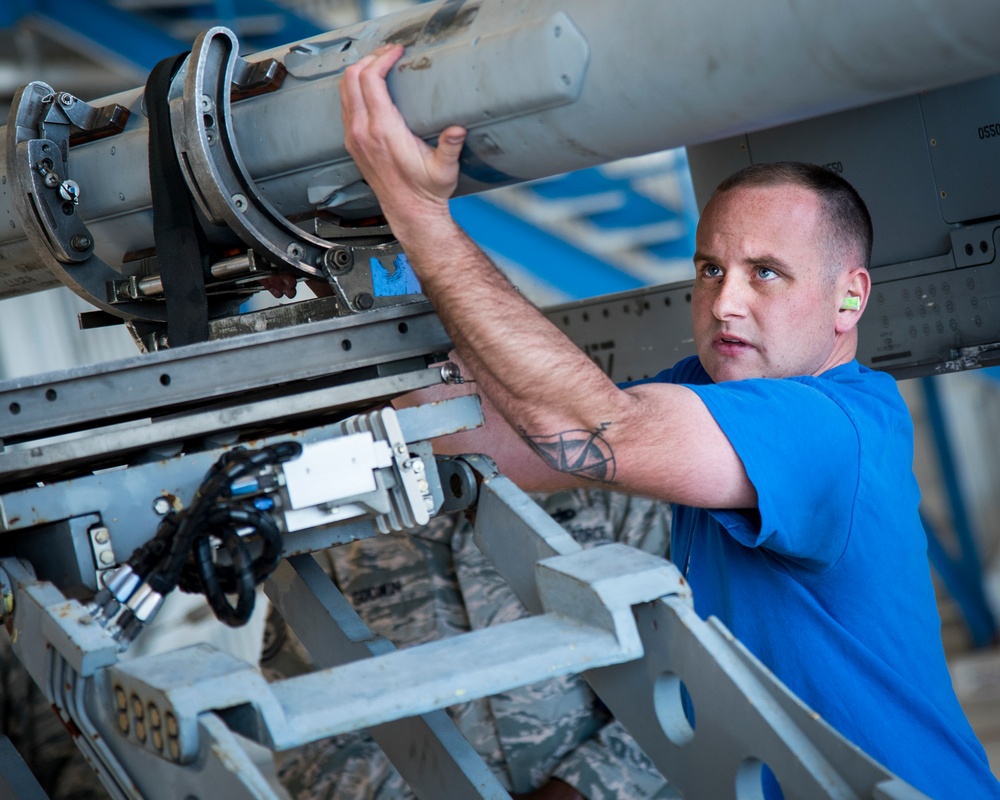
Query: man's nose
(730,298)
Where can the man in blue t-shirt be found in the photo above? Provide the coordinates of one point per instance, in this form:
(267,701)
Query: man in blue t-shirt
(790,464)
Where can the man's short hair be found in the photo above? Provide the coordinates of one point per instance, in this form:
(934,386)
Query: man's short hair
(848,222)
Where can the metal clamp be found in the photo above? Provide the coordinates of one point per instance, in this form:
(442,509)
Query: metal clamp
(207,148)
(48,201)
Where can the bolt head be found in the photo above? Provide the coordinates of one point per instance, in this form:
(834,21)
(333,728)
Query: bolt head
(161,506)
(80,243)
(338,259)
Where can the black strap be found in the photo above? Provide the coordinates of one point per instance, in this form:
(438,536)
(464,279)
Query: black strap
(181,250)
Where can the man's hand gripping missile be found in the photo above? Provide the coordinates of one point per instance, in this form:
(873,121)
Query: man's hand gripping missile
(520,361)
(412,179)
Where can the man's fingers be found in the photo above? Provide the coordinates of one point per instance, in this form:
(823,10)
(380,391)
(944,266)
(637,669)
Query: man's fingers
(371,81)
(364,98)
(279,285)
(385,56)
(450,144)
(353,104)
(396,163)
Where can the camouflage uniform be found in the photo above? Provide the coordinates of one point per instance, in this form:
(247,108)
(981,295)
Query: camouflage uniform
(433,583)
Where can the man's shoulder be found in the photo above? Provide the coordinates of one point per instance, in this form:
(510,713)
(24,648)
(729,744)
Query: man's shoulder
(837,401)
(688,371)
(858,386)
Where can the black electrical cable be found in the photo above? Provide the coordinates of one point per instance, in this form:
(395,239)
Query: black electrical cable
(212,585)
(221,545)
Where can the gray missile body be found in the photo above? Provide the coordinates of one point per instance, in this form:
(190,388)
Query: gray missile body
(545,87)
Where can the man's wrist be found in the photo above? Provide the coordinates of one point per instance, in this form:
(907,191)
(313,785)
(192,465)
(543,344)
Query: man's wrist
(422,228)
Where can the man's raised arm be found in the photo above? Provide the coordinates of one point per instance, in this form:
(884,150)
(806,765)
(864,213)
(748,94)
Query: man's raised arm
(656,440)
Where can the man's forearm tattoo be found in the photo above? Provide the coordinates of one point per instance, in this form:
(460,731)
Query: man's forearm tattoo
(586,454)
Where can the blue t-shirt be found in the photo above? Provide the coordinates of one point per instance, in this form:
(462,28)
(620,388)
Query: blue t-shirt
(827,581)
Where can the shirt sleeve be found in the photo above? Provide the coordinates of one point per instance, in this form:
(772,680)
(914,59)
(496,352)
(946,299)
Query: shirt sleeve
(801,451)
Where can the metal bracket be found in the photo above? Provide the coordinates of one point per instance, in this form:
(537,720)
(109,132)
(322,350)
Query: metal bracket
(415,496)
(972,245)
(37,160)
(48,202)
(104,553)
(600,586)
(225,191)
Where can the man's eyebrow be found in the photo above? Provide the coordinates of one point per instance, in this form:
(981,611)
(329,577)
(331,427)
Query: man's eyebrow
(766,260)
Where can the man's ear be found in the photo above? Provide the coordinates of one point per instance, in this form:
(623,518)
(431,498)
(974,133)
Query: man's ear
(856,290)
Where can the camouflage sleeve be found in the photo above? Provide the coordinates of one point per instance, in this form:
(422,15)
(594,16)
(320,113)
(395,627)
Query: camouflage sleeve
(610,764)
(596,517)
(402,585)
